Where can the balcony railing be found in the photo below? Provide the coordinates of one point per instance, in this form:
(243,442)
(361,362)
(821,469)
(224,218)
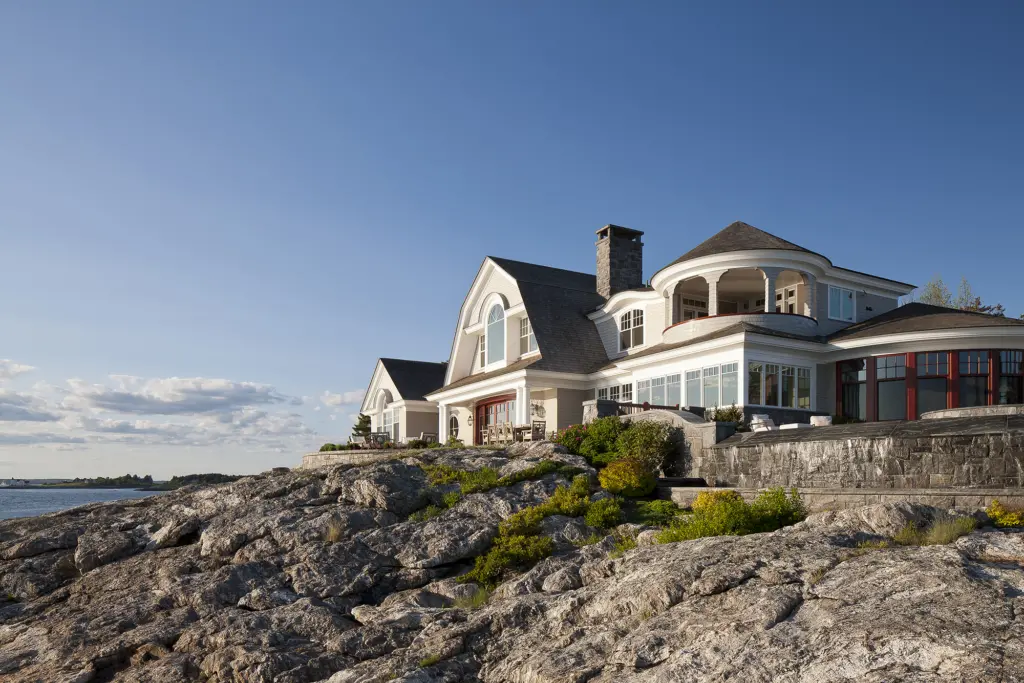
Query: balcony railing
(634,408)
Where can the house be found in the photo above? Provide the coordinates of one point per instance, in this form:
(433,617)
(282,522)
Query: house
(396,398)
(745,318)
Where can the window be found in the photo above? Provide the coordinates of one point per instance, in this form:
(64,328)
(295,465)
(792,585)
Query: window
(785,300)
(602,394)
(853,377)
(891,373)
(841,304)
(673,393)
(771,384)
(788,387)
(730,384)
(711,397)
(693,395)
(495,334)
(1011,377)
(932,381)
(390,423)
(627,393)
(803,388)
(658,391)
(527,340)
(613,393)
(973,379)
(631,329)
(483,350)
(754,370)
(643,391)
(453,427)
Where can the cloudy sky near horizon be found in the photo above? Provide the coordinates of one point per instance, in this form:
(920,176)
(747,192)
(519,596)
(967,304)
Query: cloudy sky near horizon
(214,217)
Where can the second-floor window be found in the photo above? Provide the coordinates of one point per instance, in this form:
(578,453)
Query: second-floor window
(841,304)
(527,340)
(495,334)
(631,329)
(483,350)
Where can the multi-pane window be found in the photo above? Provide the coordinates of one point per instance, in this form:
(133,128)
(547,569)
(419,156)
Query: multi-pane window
(643,391)
(602,394)
(453,426)
(711,397)
(803,388)
(688,309)
(973,378)
(693,393)
(891,372)
(788,393)
(613,393)
(527,340)
(673,390)
(1011,377)
(932,381)
(730,384)
(626,393)
(853,377)
(771,384)
(785,300)
(496,334)
(483,350)
(631,329)
(658,391)
(390,423)
(754,370)
(841,304)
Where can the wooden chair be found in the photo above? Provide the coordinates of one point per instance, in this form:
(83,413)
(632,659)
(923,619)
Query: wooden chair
(429,437)
(537,430)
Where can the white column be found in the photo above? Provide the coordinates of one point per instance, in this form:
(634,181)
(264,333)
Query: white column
(770,276)
(812,295)
(442,422)
(522,405)
(712,280)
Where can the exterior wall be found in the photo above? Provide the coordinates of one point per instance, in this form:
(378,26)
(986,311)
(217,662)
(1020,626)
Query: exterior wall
(384,384)
(413,423)
(986,452)
(569,410)
(826,393)
(467,359)
(877,304)
(819,499)
(465,431)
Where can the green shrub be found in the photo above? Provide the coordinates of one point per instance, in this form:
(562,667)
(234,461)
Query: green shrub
(1003,516)
(645,442)
(730,414)
(507,553)
(429,660)
(623,543)
(604,459)
(327,447)
(773,509)
(656,512)
(478,599)
(940,532)
(483,479)
(708,499)
(450,500)
(604,514)
(567,502)
(525,522)
(441,474)
(571,437)
(417,443)
(600,436)
(627,477)
(580,485)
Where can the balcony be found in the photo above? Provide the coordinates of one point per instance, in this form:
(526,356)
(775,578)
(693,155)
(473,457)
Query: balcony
(790,323)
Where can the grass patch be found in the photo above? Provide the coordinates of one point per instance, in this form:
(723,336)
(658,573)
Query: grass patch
(725,513)
(426,513)
(940,532)
(334,532)
(654,512)
(486,478)
(588,540)
(474,601)
(624,542)
(430,660)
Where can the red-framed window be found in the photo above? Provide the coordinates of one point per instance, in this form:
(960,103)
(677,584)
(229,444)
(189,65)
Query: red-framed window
(1011,377)
(932,381)
(853,394)
(891,387)
(974,388)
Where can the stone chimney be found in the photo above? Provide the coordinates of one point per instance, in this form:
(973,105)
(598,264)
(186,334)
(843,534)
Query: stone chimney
(620,260)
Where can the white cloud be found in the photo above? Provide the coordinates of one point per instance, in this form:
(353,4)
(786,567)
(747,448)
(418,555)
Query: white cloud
(15,407)
(346,398)
(171,396)
(9,369)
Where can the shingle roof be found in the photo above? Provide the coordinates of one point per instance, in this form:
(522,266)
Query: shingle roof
(568,339)
(414,379)
(479,377)
(918,317)
(739,236)
(717,334)
(546,275)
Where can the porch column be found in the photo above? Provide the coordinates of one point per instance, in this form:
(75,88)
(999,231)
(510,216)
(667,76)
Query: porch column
(811,285)
(442,422)
(770,276)
(523,405)
(712,280)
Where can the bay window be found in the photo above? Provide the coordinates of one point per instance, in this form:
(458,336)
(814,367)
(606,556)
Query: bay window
(1011,377)
(891,372)
(527,340)
(771,384)
(631,329)
(932,381)
(495,334)
(730,384)
(841,304)
(974,379)
(754,384)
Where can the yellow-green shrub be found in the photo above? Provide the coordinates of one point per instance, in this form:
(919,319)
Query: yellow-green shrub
(508,552)
(627,477)
(708,499)
(1003,516)
(725,513)
(604,514)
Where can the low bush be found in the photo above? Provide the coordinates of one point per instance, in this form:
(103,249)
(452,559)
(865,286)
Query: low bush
(327,447)
(450,500)
(571,437)
(1004,517)
(523,523)
(604,514)
(418,443)
(604,459)
(628,478)
(483,479)
(601,436)
(475,601)
(939,532)
(624,542)
(725,513)
(429,660)
(426,513)
(656,512)
(508,553)
(486,478)
(645,442)
(726,414)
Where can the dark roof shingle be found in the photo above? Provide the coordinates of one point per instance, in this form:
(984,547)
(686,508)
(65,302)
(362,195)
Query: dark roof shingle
(918,317)
(546,275)
(739,236)
(414,379)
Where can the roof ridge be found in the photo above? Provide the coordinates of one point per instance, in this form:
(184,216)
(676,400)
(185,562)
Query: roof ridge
(540,265)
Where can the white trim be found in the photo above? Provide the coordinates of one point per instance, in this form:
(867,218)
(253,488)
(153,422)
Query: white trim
(613,306)
(618,329)
(828,303)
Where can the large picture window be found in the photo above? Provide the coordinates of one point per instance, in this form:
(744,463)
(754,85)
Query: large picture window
(842,304)
(853,377)
(973,379)
(754,372)
(891,372)
(673,390)
(390,424)
(658,391)
(631,329)
(711,397)
(932,381)
(693,392)
(730,384)
(643,391)
(495,334)
(527,340)
(1011,377)
(771,384)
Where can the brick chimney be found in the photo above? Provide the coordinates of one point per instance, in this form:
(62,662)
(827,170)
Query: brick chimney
(620,260)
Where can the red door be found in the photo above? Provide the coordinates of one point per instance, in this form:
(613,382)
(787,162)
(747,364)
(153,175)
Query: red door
(492,411)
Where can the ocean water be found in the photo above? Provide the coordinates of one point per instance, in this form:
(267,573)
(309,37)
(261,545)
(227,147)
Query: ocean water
(31,502)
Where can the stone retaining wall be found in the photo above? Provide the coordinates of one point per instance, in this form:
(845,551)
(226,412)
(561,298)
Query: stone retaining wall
(841,498)
(314,460)
(974,452)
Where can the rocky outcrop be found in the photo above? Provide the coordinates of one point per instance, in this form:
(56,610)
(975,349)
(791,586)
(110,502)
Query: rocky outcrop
(320,575)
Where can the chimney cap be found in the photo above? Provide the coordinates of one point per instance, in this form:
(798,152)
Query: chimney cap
(619,230)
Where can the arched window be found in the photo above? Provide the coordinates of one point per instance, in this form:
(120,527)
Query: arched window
(495,334)
(453,427)
(631,329)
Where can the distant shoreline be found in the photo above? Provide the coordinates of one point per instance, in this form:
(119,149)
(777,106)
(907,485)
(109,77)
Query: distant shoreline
(46,487)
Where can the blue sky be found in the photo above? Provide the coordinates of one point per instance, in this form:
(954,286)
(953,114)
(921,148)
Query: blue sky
(263,199)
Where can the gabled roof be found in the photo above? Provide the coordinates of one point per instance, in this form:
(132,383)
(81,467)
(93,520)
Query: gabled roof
(567,338)
(414,379)
(739,236)
(918,317)
(520,364)
(546,275)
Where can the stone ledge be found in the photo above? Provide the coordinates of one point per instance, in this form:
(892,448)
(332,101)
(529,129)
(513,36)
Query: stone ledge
(322,459)
(841,498)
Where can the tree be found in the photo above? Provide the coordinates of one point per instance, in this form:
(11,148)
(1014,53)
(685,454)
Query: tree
(362,426)
(936,293)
